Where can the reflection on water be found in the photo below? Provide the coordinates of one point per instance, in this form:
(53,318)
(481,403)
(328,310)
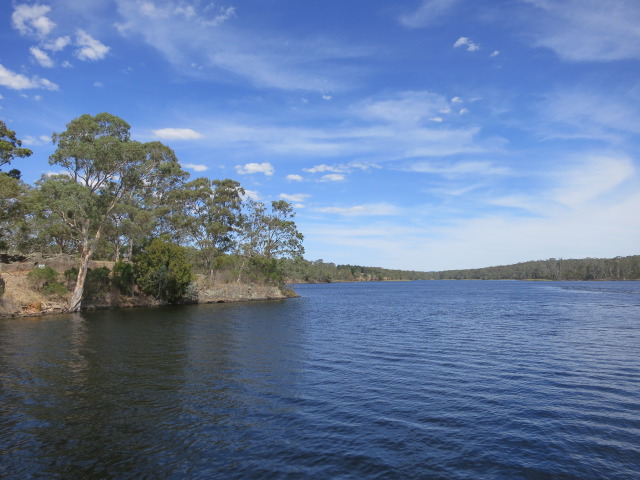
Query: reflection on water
(403,380)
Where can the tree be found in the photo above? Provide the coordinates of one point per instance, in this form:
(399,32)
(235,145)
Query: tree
(274,234)
(10,146)
(105,168)
(211,216)
(12,193)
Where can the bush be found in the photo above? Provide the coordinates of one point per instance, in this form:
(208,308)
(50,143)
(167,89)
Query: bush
(162,271)
(56,290)
(123,277)
(97,282)
(41,277)
(71,276)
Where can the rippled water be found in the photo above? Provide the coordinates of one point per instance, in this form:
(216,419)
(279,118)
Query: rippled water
(451,380)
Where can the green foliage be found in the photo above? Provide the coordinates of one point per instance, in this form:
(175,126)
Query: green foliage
(123,277)
(41,277)
(97,283)
(10,146)
(70,276)
(56,290)
(163,271)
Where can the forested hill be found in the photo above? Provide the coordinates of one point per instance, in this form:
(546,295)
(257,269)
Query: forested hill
(619,268)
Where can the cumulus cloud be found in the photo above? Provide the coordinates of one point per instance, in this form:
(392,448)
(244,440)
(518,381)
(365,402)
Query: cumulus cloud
(332,177)
(323,168)
(32,19)
(41,57)
(296,197)
(177,134)
(196,167)
(57,44)
(17,81)
(404,108)
(465,42)
(90,48)
(294,178)
(251,168)
(427,13)
(251,195)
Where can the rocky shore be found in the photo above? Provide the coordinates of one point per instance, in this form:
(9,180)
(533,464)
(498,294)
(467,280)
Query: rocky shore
(20,299)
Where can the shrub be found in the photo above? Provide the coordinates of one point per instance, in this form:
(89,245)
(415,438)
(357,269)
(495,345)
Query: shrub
(162,271)
(97,282)
(123,277)
(41,277)
(55,289)
(71,276)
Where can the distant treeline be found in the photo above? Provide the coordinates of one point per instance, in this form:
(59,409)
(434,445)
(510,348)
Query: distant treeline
(619,268)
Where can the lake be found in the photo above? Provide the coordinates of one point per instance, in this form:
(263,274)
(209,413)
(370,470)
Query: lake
(425,380)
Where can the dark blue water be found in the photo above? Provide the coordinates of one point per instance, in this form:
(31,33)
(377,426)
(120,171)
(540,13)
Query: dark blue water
(443,380)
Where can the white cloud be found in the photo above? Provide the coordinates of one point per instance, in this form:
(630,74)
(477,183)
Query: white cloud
(17,81)
(251,168)
(57,44)
(90,48)
(32,19)
(409,107)
(196,167)
(465,42)
(251,194)
(177,134)
(266,60)
(361,210)
(589,114)
(296,197)
(327,97)
(98,84)
(427,13)
(456,100)
(495,53)
(294,178)
(41,57)
(332,177)
(601,31)
(324,168)
(224,14)
(592,178)
(458,169)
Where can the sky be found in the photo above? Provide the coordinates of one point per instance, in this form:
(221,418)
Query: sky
(413,134)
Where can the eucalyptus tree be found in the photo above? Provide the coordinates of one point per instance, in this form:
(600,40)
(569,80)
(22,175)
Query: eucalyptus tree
(273,233)
(211,216)
(10,145)
(104,169)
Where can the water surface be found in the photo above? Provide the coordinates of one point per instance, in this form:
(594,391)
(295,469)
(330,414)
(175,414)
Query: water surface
(439,379)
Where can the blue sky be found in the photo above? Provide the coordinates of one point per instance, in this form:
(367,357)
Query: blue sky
(415,134)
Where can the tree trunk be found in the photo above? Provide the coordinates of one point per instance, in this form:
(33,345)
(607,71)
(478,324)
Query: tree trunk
(87,251)
(76,297)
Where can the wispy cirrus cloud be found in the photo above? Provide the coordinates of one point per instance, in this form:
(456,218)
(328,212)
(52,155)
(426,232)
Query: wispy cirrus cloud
(210,38)
(427,13)
(603,31)
(374,209)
